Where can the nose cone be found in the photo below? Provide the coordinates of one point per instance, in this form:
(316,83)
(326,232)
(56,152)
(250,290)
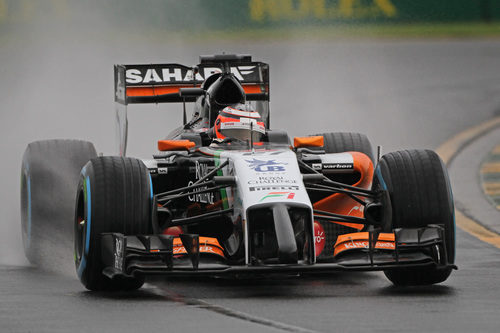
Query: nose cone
(285,236)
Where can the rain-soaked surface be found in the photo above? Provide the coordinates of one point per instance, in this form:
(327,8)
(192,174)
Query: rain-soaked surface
(58,83)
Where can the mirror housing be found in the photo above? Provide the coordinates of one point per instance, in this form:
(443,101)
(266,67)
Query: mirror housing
(191,92)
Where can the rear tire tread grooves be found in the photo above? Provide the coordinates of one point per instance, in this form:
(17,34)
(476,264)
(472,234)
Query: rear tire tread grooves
(339,142)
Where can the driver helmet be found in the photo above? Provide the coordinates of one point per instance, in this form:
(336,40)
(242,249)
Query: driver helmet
(239,122)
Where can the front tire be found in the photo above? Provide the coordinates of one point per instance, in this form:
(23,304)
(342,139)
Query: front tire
(420,194)
(114,195)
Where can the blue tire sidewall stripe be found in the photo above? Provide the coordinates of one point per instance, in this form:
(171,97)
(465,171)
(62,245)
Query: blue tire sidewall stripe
(83,261)
(150,187)
(88,222)
(27,178)
(378,173)
(29,212)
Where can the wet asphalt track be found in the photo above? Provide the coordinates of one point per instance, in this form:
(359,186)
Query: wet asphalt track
(402,94)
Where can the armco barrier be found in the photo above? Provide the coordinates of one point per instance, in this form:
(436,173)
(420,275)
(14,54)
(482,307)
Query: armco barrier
(242,14)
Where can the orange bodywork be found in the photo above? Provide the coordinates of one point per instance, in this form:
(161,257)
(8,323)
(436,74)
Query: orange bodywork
(253,89)
(208,245)
(342,204)
(167,145)
(309,141)
(359,240)
(166,90)
(155,91)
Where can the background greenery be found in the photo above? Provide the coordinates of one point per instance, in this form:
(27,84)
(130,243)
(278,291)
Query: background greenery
(263,18)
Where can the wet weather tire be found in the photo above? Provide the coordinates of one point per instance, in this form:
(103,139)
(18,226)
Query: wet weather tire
(420,194)
(114,195)
(49,178)
(339,142)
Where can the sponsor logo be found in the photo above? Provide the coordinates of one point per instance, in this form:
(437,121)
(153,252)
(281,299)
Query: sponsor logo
(365,245)
(119,253)
(319,238)
(273,188)
(284,195)
(203,249)
(340,166)
(272,180)
(159,74)
(355,208)
(163,171)
(266,166)
(201,171)
(244,123)
(288,10)
(316,166)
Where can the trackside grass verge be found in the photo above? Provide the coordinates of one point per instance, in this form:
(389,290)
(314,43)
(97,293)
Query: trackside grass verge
(364,31)
(407,31)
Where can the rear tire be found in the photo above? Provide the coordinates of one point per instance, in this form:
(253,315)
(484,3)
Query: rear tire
(114,195)
(339,142)
(49,177)
(420,194)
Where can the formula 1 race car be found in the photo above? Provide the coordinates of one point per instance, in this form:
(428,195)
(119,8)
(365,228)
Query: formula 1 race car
(227,196)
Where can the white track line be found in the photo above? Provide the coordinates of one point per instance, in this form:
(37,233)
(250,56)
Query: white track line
(161,291)
(448,150)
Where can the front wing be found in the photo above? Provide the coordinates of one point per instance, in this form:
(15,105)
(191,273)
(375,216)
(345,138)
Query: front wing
(154,255)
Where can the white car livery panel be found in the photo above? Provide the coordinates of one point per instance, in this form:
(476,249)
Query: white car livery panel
(267,176)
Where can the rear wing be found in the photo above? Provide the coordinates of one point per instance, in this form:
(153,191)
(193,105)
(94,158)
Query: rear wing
(160,83)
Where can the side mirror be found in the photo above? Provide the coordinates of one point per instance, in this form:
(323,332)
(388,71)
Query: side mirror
(312,178)
(225,180)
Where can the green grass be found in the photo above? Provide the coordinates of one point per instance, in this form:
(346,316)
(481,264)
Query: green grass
(364,31)
(305,32)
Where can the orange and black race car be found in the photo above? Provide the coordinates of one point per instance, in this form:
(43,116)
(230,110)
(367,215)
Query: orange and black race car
(227,195)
